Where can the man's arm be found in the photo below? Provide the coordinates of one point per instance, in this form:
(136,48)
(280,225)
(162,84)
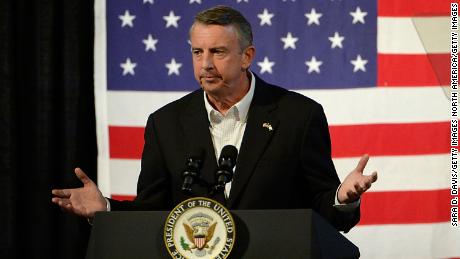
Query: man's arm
(153,185)
(324,184)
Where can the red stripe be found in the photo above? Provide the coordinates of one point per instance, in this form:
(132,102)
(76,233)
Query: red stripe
(414,7)
(405,207)
(390,139)
(126,142)
(347,141)
(413,70)
(123,197)
(441,67)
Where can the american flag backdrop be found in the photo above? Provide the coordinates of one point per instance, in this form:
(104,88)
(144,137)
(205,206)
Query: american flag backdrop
(379,68)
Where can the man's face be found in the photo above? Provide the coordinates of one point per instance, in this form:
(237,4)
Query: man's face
(219,64)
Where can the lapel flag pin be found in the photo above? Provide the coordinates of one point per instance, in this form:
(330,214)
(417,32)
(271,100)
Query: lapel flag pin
(267,125)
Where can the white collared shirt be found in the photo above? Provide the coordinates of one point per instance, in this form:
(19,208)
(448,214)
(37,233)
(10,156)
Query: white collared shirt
(228,129)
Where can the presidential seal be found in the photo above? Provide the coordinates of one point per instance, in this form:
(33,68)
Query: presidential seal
(199,228)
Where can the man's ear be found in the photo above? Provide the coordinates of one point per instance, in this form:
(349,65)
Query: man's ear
(248,56)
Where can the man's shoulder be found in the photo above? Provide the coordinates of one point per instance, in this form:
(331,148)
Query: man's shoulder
(285,97)
(190,100)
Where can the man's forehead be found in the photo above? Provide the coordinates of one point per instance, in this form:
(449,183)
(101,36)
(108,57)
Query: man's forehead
(200,30)
(212,25)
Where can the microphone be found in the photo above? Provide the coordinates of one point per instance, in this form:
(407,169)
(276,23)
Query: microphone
(192,169)
(227,161)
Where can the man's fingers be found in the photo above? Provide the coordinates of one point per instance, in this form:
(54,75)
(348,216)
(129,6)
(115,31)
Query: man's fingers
(61,202)
(357,187)
(55,200)
(367,182)
(374,176)
(82,176)
(65,203)
(363,187)
(352,195)
(68,208)
(367,185)
(63,193)
(362,163)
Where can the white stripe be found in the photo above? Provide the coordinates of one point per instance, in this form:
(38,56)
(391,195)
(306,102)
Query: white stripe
(382,105)
(413,35)
(132,108)
(342,107)
(124,174)
(402,173)
(396,173)
(100,94)
(406,241)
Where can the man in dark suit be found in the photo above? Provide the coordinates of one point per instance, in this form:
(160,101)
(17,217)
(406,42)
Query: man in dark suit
(284,159)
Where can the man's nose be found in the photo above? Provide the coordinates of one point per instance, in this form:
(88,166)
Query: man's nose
(207,61)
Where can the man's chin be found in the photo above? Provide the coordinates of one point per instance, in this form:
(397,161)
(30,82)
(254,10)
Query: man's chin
(210,86)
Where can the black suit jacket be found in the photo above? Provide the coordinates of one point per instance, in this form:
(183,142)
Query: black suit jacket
(285,168)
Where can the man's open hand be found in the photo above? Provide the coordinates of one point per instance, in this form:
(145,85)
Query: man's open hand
(356,183)
(84,201)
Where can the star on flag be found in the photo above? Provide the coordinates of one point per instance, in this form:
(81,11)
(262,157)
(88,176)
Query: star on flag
(313,17)
(173,67)
(128,67)
(265,17)
(313,65)
(127,19)
(358,16)
(289,41)
(266,66)
(171,20)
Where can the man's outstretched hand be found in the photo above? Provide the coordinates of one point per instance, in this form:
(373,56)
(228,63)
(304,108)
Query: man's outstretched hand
(84,201)
(356,183)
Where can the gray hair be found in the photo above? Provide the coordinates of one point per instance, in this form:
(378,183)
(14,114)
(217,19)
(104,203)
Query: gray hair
(224,15)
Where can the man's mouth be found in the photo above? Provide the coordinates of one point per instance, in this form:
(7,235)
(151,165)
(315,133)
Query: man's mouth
(210,76)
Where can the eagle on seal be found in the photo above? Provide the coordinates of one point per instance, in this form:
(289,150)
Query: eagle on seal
(200,234)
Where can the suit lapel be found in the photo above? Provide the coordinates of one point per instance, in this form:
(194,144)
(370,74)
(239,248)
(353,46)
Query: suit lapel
(261,125)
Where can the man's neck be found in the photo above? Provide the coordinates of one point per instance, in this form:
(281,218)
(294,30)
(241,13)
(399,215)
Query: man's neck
(223,103)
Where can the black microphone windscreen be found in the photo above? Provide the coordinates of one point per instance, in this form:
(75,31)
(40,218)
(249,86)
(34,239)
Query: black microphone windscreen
(229,151)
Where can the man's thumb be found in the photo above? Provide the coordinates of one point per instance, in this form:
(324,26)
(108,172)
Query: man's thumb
(362,163)
(82,176)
